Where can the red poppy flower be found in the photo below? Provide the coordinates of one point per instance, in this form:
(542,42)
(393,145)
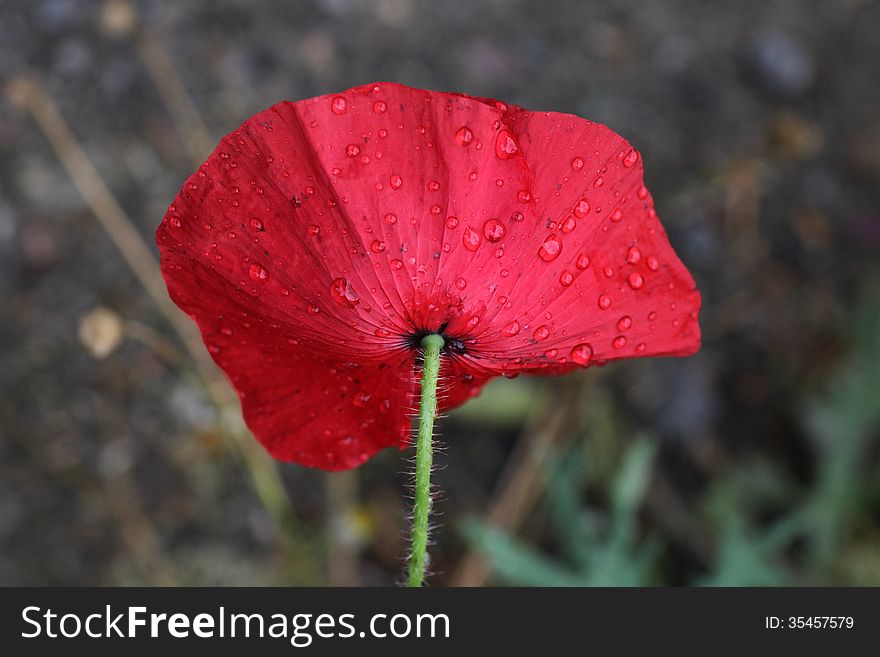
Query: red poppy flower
(322,239)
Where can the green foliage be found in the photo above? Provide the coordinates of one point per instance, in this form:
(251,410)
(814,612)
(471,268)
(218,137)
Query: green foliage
(766,529)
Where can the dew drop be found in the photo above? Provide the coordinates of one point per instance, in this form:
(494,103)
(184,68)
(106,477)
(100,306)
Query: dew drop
(433,186)
(471,239)
(619,342)
(464,136)
(517,216)
(338,105)
(361,399)
(342,293)
(616,216)
(633,255)
(604,302)
(494,230)
(577,164)
(352,150)
(609,272)
(396,265)
(451,222)
(582,353)
(640,347)
(582,262)
(541,333)
(631,158)
(505,145)
(569,224)
(582,208)
(524,196)
(642,193)
(395,181)
(511,329)
(566,278)
(461,283)
(313,309)
(380,106)
(635,280)
(653,263)
(314,230)
(390,218)
(624,323)
(174,221)
(257,225)
(436,209)
(550,249)
(258,273)
(377,246)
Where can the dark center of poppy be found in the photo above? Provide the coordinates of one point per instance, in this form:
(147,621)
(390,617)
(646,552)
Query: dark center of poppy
(452,344)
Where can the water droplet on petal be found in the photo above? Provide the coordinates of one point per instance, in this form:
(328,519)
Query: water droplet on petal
(583,261)
(569,224)
(395,181)
(653,263)
(464,136)
(380,106)
(257,225)
(505,145)
(604,302)
(258,273)
(631,158)
(550,249)
(616,216)
(451,222)
(582,208)
(377,246)
(361,399)
(313,309)
(494,230)
(471,239)
(338,105)
(523,196)
(635,280)
(633,255)
(577,164)
(582,353)
(352,150)
(436,209)
(390,218)
(174,221)
(566,278)
(619,342)
(511,329)
(396,265)
(433,186)
(517,216)
(541,333)
(640,347)
(461,283)
(624,323)
(642,193)
(342,293)
(314,230)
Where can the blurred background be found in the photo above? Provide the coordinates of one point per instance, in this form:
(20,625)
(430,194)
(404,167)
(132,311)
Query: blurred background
(755,462)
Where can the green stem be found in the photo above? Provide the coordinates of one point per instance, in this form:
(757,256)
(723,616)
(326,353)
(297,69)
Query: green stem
(432,344)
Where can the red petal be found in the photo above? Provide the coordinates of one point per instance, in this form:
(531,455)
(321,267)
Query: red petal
(338,229)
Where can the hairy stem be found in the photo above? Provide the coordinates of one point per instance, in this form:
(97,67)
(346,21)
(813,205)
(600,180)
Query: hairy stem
(432,344)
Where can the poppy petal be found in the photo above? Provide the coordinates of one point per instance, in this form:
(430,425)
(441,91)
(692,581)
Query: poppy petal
(323,238)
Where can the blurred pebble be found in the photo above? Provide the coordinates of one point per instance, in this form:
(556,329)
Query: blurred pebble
(101,332)
(782,64)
